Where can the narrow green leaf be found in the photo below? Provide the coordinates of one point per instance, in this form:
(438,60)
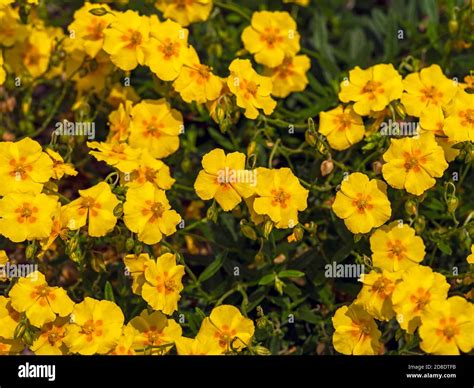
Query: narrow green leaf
(290,273)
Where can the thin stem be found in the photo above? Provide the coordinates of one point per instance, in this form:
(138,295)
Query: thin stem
(233,8)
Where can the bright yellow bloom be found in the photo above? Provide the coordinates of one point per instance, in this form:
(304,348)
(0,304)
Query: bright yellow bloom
(459,125)
(3,261)
(197,347)
(225,178)
(290,76)
(157,334)
(89,29)
(362,203)
(371,89)
(59,229)
(10,347)
(448,327)
(136,266)
(124,345)
(185,12)
(303,3)
(156,127)
(150,170)
(98,71)
(280,196)
(40,302)
(228,328)
(196,82)
(356,332)
(428,89)
(342,126)
(376,294)
(3,74)
(470,258)
(120,94)
(50,340)
(59,167)
(167,50)
(9,318)
(24,167)
(395,247)
(420,287)
(95,204)
(119,155)
(148,213)
(96,326)
(251,89)
(414,163)
(126,38)
(271,36)
(11,29)
(163,284)
(119,123)
(26,216)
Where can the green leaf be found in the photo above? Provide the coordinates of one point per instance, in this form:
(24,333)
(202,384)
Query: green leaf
(212,268)
(220,139)
(444,247)
(109,292)
(267,279)
(290,273)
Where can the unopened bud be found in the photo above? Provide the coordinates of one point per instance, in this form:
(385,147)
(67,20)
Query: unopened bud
(30,251)
(279,285)
(310,138)
(327,167)
(420,224)
(452,203)
(118,211)
(129,244)
(453,26)
(247,230)
(262,351)
(267,228)
(410,207)
(212,213)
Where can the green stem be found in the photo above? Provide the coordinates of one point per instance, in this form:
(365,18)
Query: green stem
(233,8)
(272,154)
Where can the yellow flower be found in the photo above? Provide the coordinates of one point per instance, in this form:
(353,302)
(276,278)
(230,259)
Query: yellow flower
(303,3)
(156,127)
(9,318)
(448,327)
(362,203)
(342,126)
(148,213)
(420,287)
(119,123)
(3,261)
(167,50)
(228,328)
(376,294)
(95,328)
(428,89)
(50,339)
(26,216)
(196,82)
(119,155)
(40,302)
(371,89)
(271,36)
(413,163)
(395,247)
(136,266)
(11,29)
(163,284)
(470,258)
(280,196)
(3,74)
(121,94)
(251,89)
(124,345)
(89,29)
(290,76)
(126,38)
(59,167)
(459,125)
(59,229)
(150,170)
(157,334)
(356,332)
(97,71)
(24,167)
(185,12)
(95,204)
(224,178)
(10,347)
(197,347)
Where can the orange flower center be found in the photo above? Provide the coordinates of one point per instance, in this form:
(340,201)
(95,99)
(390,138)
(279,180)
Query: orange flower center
(153,127)
(383,287)
(182,4)
(286,69)
(165,284)
(280,198)
(467,117)
(19,170)
(155,209)
(343,122)
(95,29)
(202,73)
(250,89)
(169,48)
(225,335)
(153,337)
(26,213)
(414,160)
(396,250)
(134,38)
(93,329)
(431,94)
(362,203)
(421,298)
(271,36)
(447,329)
(372,87)
(89,204)
(42,293)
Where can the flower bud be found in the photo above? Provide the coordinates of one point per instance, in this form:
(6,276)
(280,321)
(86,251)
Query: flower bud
(327,167)
(453,26)
(262,351)
(30,251)
(118,211)
(411,207)
(420,224)
(267,228)
(310,138)
(129,244)
(212,213)
(279,285)
(247,230)
(452,203)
